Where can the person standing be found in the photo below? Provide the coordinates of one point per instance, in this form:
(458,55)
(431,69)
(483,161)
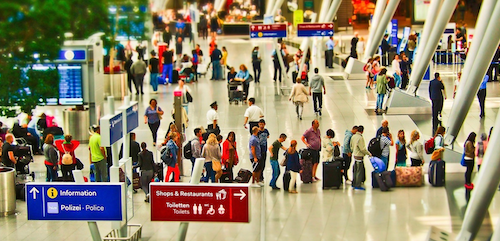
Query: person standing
(396,67)
(212,154)
(255,157)
(330,45)
(417,150)
(173,149)
(147,164)
(230,154)
(299,96)
(196,146)
(359,150)
(256,63)
(263,136)
(381,90)
(293,165)
(185,91)
(369,75)
(223,61)
(204,27)
(273,159)
(347,151)
(130,76)
(401,149)
(215,57)
(152,117)
(405,71)
(277,65)
(328,146)
(316,86)
(312,139)
(154,63)
(212,119)
(139,69)
(168,67)
(98,156)
(437,94)
(67,146)
(51,158)
(385,143)
(214,25)
(252,115)
(481,95)
(8,158)
(481,147)
(178,48)
(354,46)
(167,35)
(469,155)
(195,61)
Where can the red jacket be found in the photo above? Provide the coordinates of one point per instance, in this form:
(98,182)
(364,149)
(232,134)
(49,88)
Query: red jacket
(66,147)
(225,153)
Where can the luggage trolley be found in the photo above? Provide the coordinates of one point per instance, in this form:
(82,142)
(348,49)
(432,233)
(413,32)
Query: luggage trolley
(24,154)
(235,92)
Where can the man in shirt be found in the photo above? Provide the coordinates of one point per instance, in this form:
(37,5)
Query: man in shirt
(437,94)
(215,57)
(167,35)
(312,139)
(347,151)
(134,149)
(212,118)
(273,159)
(481,95)
(359,150)
(8,158)
(98,156)
(139,69)
(397,70)
(263,136)
(385,143)
(276,63)
(316,86)
(255,157)
(330,44)
(405,70)
(252,115)
(153,71)
(168,58)
(196,147)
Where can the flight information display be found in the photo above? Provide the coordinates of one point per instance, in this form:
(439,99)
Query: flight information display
(70,83)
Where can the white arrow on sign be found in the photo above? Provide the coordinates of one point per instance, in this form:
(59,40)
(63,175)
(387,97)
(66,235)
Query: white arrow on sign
(34,191)
(330,26)
(330,33)
(323,33)
(253,27)
(241,194)
(253,35)
(323,26)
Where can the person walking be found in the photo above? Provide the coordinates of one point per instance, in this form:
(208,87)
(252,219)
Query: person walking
(230,154)
(154,64)
(98,155)
(51,158)
(173,149)
(256,63)
(130,76)
(381,90)
(152,117)
(252,115)
(168,67)
(147,165)
(299,96)
(437,94)
(255,157)
(196,146)
(359,150)
(139,69)
(185,92)
(347,152)
(212,119)
(312,139)
(316,86)
(354,46)
(481,147)
(469,155)
(481,95)
(293,165)
(273,159)
(215,57)
(416,149)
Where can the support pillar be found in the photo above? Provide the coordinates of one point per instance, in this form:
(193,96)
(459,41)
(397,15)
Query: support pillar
(430,20)
(465,95)
(443,18)
(276,7)
(381,27)
(377,15)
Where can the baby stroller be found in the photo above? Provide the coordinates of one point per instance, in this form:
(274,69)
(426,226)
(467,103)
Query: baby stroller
(24,154)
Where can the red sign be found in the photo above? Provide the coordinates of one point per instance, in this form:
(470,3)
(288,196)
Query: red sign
(268,27)
(199,203)
(315,26)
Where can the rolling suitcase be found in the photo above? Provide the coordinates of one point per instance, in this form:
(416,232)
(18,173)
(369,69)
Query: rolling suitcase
(332,174)
(409,176)
(136,180)
(244,176)
(226,177)
(159,171)
(175,77)
(306,175)
(437,173)
(382,180)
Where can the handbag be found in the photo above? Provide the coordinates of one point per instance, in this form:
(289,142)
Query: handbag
(189,97)
(159,116)
(462,162)
(67,159)
(284,160)
(216,166)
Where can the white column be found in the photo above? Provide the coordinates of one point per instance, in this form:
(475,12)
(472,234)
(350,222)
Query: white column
(428,25)
(377,15)
(420,67)
(382,26)
(276,7)
(465,96)
(323,11)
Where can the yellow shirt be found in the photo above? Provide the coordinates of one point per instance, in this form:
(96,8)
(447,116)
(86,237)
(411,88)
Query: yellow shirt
(224,58)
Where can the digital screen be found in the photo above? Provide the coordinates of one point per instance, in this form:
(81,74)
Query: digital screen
(70,83)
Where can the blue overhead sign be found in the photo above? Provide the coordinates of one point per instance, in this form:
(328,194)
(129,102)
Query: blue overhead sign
(75,202)
(132,117)
(268,30)
(394,33)
(315,30)
(111,129)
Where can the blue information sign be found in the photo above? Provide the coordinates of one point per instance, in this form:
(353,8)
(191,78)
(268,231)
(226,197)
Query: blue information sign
(75,202)
(394,33)
(132,117)
(72,55)
(268,30)
(115,129)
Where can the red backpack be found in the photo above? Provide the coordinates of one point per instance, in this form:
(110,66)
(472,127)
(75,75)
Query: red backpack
(429,146)
(365,68)
(391,83)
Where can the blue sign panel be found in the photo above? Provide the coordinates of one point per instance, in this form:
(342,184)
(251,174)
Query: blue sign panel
(72,55)
(315,30)
(132,117)
(268,31)
(77,202)
(394,33)
(115,129)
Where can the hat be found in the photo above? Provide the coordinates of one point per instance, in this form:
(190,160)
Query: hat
(214,103)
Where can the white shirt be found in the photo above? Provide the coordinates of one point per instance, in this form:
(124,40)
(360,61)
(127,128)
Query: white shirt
(396,67)
(254,113)
(211,116)
(360,48)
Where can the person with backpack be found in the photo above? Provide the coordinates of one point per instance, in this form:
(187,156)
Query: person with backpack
(230,154)
(359,150)
(67,149)
(147,164)
(169,157)
(481,147)
(256,63)
(195,61)
(469,155)
(347,151)
(381,90)
(194,147)
(416,149)
(213,156)
(330,147)
(385,144)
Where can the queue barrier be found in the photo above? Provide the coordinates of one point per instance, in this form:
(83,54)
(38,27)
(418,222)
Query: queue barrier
(135,231)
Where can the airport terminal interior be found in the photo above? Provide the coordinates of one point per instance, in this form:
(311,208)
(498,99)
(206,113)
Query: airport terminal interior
(403,213)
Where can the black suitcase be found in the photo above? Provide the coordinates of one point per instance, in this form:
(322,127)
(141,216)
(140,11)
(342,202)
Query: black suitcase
(21,191)
(226,177)
(306,174)
(159,171)
(244,176)
(175,76)
(286,181)
(437,173)
(332,174)
(382,180)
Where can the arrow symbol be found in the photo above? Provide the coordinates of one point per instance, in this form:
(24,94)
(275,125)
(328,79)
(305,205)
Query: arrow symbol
(253,27)
(323,33)
(253,35)
(34,191)
(241,194)
(330,26)
(330,33)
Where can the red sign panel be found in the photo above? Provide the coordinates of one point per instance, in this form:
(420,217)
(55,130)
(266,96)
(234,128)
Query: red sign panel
(199,203)
(267,27)
(315,26)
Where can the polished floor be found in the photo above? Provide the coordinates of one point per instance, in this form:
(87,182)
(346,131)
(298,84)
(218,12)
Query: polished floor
(313,214)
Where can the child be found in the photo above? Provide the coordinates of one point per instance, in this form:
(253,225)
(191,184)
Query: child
(273,159)
(263,136)
(401,149)
(481,149)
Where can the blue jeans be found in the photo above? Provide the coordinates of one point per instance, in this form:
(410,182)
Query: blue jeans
(276,172)
(153,80)
(167,71)
(380,100)
(385,159)
(397,79)
(51,173)
(217,70)
(210,171)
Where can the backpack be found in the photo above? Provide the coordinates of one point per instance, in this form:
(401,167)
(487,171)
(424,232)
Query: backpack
(374,147)
(187,150)
(429,146)
(391,83)
(166,156)
(336,151)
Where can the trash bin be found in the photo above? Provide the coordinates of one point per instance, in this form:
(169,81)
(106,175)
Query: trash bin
(76,123)
(7,191)
(116,85)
